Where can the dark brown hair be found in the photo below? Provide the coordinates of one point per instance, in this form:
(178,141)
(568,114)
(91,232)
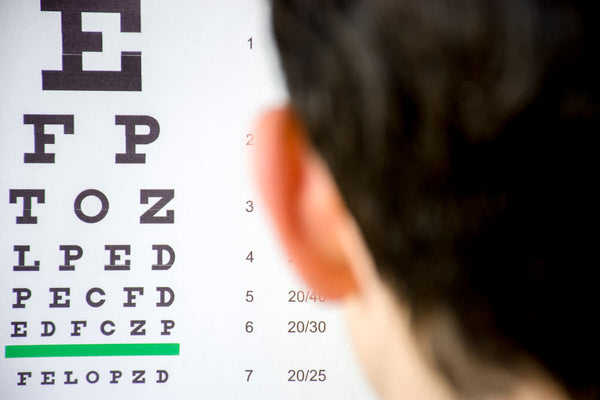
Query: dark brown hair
(462,134)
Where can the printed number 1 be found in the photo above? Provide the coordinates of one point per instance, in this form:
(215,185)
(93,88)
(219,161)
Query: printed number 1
(250,41)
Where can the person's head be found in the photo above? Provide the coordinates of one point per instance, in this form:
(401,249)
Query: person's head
(436,170)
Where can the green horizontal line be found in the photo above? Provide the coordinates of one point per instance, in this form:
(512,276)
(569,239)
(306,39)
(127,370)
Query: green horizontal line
(92,350)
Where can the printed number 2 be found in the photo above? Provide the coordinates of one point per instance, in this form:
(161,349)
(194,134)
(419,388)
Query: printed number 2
(250,138)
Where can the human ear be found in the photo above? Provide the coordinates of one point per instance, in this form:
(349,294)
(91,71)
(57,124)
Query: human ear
(305,204)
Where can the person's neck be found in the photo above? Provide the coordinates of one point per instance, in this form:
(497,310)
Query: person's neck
(398,364)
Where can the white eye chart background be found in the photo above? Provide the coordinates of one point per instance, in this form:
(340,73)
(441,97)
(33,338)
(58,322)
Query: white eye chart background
(168,256)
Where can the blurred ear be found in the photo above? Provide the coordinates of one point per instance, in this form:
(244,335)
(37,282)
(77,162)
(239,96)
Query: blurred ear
(305,204)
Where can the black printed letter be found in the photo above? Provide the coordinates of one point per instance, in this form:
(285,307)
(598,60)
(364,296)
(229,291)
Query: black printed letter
(75,42)
(149,217)
(39,121)
(131,139)
(27,195)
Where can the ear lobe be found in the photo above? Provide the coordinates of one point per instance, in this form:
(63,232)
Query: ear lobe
(305,204)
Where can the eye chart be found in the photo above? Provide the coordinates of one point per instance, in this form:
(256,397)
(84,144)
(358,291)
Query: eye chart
(137,258)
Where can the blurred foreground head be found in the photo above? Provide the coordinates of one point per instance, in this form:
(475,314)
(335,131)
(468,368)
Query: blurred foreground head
(463,138)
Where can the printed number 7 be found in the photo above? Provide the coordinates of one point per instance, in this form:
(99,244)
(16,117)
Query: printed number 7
(249,372)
